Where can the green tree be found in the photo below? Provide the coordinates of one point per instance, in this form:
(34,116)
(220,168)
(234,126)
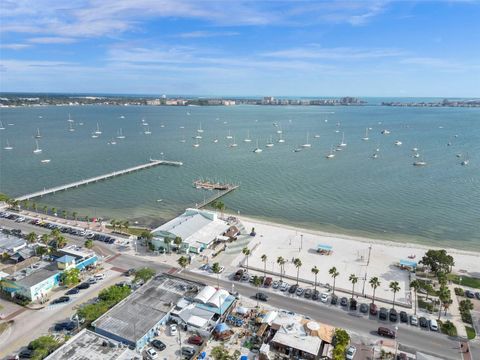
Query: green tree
(126,225)
(43,346)
(60,242)
(178,241)
(264,260)
(45,209)
(144,274)
(298,264)
(113,224)
(34,207)
(220,353)
(64,214)
(167,242)
(4,197)
(281,263)
(24,204)
(353,279)
(146,235)
(74,215)
(54,211)
(44,239)
(438,261)
(395,287)
(445,298)
(374,283)
(182,261)
(89,243)
(315,271)
(31,237)
(114,294)
(246,251)
(257,281)
(216,270)
(333,273)
(70,277)
(341,339)
(41,250)
(415,285)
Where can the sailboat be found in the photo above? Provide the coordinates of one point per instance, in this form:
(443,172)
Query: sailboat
(197,137)
(70,127)
(182,140)
(281,139)
(465,161)
(37,135)
(317,136)
(8,146)
(330,155)
(385,132)
(70,120)
(270,143)
(366,138)
(200,130)
(113,142)
(229,136)
(37,149)
(343,143)
(97,131)
(1,125)
(398,143)
(419,163)
(45,161)
(147,131)
(215,140)
(247,139)
(122,117)
(375,155)
(233,144)
(307,144)
(94,136)
(196,145)
(416,155)
(257,149)
(120,134)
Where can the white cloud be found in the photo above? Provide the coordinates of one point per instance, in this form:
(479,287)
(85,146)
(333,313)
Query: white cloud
(14,46)
(206,34)
(315,52)
(51,40)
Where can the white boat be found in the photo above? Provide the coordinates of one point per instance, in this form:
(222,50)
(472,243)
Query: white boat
(416,155)
(458,155)
(415,149)
(120,134)
(298,149)
(419,163)
(366,138)
(37,135)
(229,136)
(8,146)
(45,161)
(182,127)
(113,142)
(257,150)
(70,120)
(215,140)
(330,155)
(97,131)
(385,132)
(317,136)
(307,144)
(70,127)
(233,144)
(375,155)
(196,145)
(281,139)
(449,143)
(147,131)
(94,136)
(247,139)
(343,143)
(1,125)
(398,143)
(162,125)
(200,130)
(37,149)
(465,161)
(80,123)
(182,140)
(122,117)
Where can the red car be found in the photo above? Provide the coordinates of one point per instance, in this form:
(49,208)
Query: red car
(195,340)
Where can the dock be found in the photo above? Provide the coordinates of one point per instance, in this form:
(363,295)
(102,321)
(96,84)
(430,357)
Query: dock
(216,196)
(76,184)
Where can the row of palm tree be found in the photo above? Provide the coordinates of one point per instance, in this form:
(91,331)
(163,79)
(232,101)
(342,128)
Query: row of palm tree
(119,224)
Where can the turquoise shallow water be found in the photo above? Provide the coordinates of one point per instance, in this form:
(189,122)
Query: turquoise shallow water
(384,198)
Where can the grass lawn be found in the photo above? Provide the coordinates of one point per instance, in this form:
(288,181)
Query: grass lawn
(4,326)
(448,328)
(132,231)
(466,280)
(470,332)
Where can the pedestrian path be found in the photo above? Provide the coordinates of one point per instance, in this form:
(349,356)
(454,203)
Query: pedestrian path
(455,316)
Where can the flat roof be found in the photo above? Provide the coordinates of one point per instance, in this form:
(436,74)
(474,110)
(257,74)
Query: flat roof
(308,344)
(132,318)
(34,274)
(87,345)
(10,242)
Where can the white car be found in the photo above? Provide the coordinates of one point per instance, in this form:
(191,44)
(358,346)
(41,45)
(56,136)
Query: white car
(92,281)
(284,286)
(324,297)
(414,320)
(151,354)
(433,325)
(99,276)
(173,329)
(350,354)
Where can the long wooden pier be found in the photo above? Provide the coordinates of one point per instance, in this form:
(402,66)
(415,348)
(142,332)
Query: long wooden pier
(76,184)
(216,196)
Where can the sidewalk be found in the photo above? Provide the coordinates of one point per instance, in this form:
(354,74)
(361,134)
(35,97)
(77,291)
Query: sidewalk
(454,313)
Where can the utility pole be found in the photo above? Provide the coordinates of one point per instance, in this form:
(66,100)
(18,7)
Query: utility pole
(301,241)
(369,251)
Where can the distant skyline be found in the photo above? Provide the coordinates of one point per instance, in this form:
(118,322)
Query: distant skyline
(242,48)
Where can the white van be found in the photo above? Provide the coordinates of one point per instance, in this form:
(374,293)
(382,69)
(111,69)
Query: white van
(433,325)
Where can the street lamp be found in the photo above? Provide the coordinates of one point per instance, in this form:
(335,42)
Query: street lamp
(396,341)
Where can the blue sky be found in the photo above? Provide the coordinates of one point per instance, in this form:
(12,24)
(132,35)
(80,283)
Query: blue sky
(208,47)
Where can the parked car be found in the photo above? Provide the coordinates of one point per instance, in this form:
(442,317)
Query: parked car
(423,322)
(188,351)
(275,284)
(61,299)
(83,286)
(343,301)
(308,293)
(334,299)
(393,315)
(195,340)
(363,308)
(477,295)
(68,325)
(373,309)
(353,304)
(414,320)
(403,317)
(299,291)
(173,329)
(245,276)
(261,296)
(25,354)
(315,295)
(99,276)
(293,289)
(284,286)
(350,353)
(433,325)
(72,291)
(92,281)
(130,272)
(157,344)
(383,331)
(268,281)
(383,314)
(324,297)
(469,294)
(151,353)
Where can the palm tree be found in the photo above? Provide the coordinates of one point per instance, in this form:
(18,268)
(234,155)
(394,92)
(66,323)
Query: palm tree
(353,279)
(88,243)
(45,209)
(374,283)
(24,204)
(395,287)
(415,285)
(55,233)
(167,242)
(34,207)
(220,206)
(281,262)
(257,282)
(246,251)
(315,272)
(54,211)
(64,214)
(445,300)
(264,260)
(31,237)
(74,215)
(178,241)
(334,273)
(113,223)
(216,270)
(61,242)
(298,264)
(183,262)
(126,224)
(44,239)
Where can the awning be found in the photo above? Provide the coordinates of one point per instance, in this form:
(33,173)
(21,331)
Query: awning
(241,310)
(322,247)
(222,327)
(261,329)
(408,263)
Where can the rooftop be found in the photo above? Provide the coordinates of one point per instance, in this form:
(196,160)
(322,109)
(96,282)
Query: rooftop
(34,274)
(88,345)
(137,314)
(10,243)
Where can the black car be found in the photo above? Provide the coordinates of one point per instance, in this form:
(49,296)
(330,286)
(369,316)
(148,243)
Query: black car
(130,272)
(261,296)
(423,322)
(72,291)
(293,289)
(83,286)
(403,317)
(393,315)
(334,300)
(353,304)
(364,308)
(308,293)
(25,354)
(315,295)
(61,299)
(68,325)
(469,294)
(157,344)
(477,295)
(343,301)
(383,314)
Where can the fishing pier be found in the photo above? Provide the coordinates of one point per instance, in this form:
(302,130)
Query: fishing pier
(219,188)
(53,190)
